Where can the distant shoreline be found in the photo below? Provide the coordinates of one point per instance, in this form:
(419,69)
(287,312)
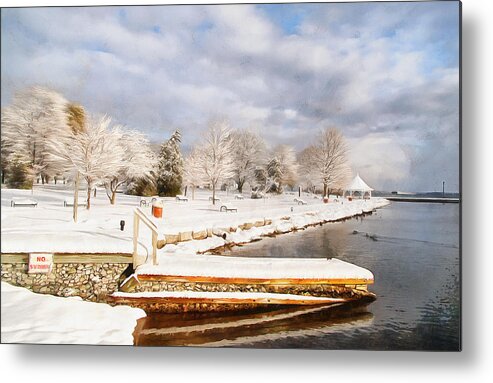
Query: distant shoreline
(423,199)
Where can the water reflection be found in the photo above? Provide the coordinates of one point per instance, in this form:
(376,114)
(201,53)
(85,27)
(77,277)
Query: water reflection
(244,329)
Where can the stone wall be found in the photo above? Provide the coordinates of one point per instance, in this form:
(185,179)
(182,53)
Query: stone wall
(321,290)
(355,293)
(91,281)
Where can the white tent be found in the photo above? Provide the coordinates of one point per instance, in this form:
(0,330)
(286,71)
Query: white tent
(358,188)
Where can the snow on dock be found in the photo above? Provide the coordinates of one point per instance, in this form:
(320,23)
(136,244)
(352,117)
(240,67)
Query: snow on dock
(256,270)
(36,318)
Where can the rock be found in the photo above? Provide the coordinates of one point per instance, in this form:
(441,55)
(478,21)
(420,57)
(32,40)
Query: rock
(172,238)
(185,236)
(199,234)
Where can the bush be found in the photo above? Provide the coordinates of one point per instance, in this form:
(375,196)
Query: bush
(142,187)
(18,175)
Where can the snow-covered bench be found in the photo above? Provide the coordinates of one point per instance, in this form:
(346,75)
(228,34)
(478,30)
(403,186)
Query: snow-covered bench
(143,202)
(238,196)
(215,199)
(180,197)
(227,207)
(23,202)
(70,202)
(299,201)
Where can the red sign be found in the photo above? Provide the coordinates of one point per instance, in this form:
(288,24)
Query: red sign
(40,263)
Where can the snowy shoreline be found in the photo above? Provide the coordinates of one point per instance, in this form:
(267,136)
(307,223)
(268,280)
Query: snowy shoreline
(49,226)
(235,235)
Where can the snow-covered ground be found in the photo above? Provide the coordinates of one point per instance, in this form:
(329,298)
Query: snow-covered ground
(36,318)
(49,226)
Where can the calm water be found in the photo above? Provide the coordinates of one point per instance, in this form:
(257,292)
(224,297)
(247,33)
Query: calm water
(415,260)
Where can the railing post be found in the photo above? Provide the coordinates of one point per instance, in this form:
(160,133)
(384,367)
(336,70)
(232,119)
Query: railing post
(154,248)
(136,235)
(139,215)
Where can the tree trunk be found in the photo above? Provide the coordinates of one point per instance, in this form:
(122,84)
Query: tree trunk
(240,185)
(325,190)
(89,190)
(76,196)
(193,192)
(113,197)
(213,193)
(94,192)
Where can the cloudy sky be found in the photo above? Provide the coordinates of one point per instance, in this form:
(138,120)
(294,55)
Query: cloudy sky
(385,74)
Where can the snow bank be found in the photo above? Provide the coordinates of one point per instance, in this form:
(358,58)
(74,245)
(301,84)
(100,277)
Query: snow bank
(36,318)
(50,228)
(255,268)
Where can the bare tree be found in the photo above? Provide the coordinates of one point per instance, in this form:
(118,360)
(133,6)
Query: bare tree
(327,161)
(95,153)
(282,168)
(192,172)
(35,116)
(249,152)
(215,155)
(137,161)
(308,176)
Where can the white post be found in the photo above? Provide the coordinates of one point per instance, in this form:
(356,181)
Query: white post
(136,235)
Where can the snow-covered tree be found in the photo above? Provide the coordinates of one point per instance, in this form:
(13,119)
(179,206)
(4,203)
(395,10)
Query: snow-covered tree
(249,152)
(138,161)
(326,160)
(282,168)
(215,155)
(35,116)
(308,177)
(6,153)
(192,172)
(96,152)
(170,167)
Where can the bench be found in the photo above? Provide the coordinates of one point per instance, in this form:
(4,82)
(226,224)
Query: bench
(23,202)
(299,201)
(180,197)
(70,202)
(143,202)
(238,196)
(227,208)
(215,199)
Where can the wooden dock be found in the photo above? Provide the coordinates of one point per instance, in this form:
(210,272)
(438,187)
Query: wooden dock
(199,283)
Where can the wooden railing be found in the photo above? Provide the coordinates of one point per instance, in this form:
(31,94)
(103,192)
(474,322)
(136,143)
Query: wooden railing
(139,215)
